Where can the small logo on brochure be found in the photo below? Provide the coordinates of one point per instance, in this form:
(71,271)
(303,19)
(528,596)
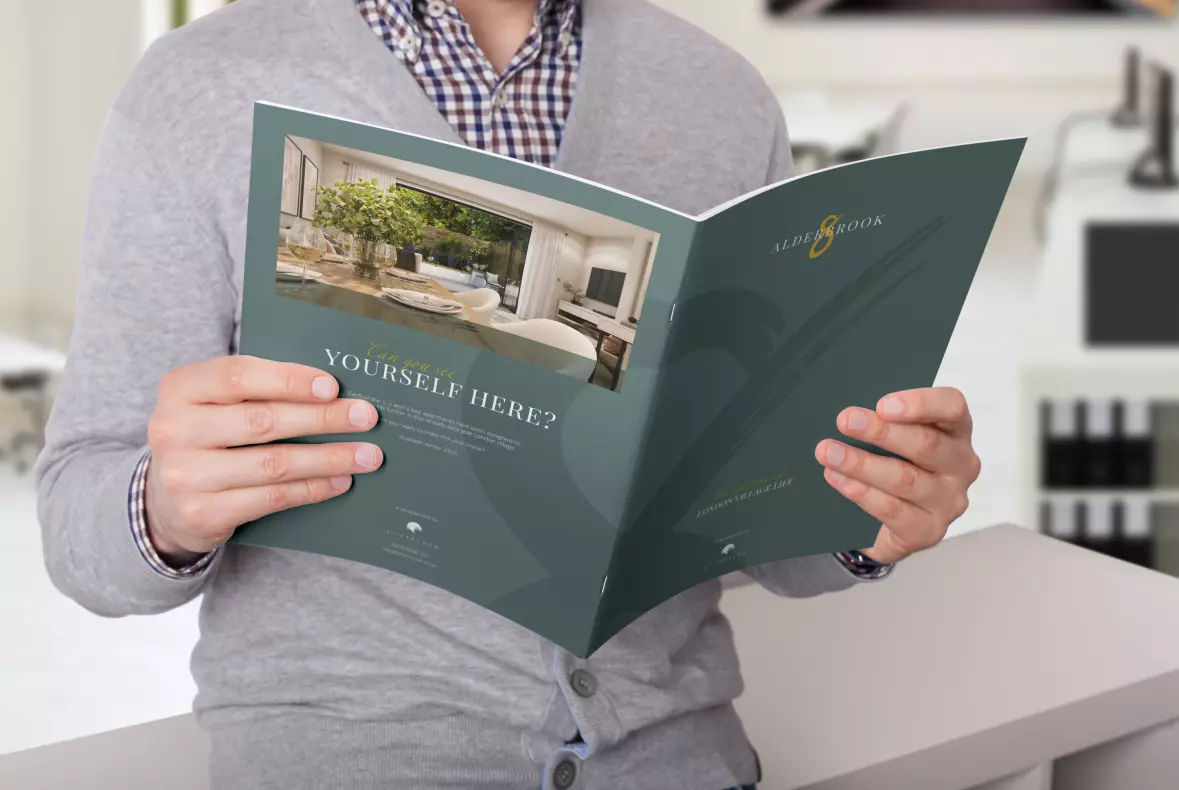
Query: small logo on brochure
(414,527)
(826,236)
(821,240)
(728,554)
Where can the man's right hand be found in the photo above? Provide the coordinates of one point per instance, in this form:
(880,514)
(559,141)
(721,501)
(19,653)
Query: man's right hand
(207,475)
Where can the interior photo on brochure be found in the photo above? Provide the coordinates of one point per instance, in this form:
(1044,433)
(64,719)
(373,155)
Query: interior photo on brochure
(589,402)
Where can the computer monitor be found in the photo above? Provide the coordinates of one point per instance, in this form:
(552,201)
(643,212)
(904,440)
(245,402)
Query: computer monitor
(1129,114)
(1155,168)
(1130,282)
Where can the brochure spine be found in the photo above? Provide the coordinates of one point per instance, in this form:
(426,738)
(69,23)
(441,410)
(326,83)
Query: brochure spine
(597,638)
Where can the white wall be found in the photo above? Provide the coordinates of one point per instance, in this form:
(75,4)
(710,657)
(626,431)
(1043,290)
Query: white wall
(569,267)
(81,54)
(336,161)
(333,168)
(964,80)
(14,142)
(313,150)
(607,253)
(635,271)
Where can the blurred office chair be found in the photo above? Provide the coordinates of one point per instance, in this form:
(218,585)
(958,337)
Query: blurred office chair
(885,141)
(25,374)
(1055,174)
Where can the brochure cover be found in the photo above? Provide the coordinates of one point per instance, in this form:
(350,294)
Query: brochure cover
(589,402)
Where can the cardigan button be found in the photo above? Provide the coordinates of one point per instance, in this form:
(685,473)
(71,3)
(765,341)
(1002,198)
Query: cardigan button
(584,683)
(564,775)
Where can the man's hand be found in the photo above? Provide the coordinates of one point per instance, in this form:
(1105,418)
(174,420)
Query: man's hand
(918,499)
(207,476)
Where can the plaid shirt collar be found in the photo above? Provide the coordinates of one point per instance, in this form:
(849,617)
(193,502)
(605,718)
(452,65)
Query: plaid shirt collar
(404,21)
(520,113)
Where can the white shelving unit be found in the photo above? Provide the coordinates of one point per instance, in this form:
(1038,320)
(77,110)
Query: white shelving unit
(1131,377)
(1091,186)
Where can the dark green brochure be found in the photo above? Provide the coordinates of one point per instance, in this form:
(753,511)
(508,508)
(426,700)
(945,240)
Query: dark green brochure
(588,402)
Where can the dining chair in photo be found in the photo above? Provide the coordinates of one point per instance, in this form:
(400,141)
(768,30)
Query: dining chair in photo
(559,347)
(481,301)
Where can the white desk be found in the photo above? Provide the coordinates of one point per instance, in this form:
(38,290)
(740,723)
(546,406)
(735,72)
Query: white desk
(1099,142)
(1090,148)
(19,356)
(172,754)
(611,326)
(997,652)
(830,129)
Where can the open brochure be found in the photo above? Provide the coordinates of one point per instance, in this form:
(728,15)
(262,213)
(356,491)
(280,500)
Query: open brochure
(588,402)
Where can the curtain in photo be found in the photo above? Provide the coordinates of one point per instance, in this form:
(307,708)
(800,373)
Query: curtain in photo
(355,172)
(540,272)
(637,309)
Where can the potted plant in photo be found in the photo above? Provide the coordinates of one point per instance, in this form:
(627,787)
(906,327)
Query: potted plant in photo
(575,293)
(479,252)
(373,215)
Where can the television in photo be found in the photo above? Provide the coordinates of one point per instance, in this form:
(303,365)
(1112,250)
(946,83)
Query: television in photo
(605,286)
(1141,9)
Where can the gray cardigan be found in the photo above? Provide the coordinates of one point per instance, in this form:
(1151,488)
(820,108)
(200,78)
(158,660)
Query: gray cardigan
(315,672)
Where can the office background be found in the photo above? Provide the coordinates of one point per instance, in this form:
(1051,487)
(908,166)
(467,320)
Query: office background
(914,83)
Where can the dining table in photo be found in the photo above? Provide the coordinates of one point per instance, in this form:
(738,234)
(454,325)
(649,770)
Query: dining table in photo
(337,286)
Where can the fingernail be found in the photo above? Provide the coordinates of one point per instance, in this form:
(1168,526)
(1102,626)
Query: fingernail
(835,477)
(360,415)
(324,388)
(342,482)
(368,456)
(857,420)
(892,407)
(836,454)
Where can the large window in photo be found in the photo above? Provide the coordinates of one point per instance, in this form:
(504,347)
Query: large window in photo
(513,272)
(491,246)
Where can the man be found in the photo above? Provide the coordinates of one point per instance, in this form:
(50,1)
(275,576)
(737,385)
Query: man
(318,673)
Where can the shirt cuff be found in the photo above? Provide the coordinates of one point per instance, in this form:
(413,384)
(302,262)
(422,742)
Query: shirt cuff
(862,566)
(137,513)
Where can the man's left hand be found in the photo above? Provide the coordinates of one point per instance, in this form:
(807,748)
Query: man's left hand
(917,499)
